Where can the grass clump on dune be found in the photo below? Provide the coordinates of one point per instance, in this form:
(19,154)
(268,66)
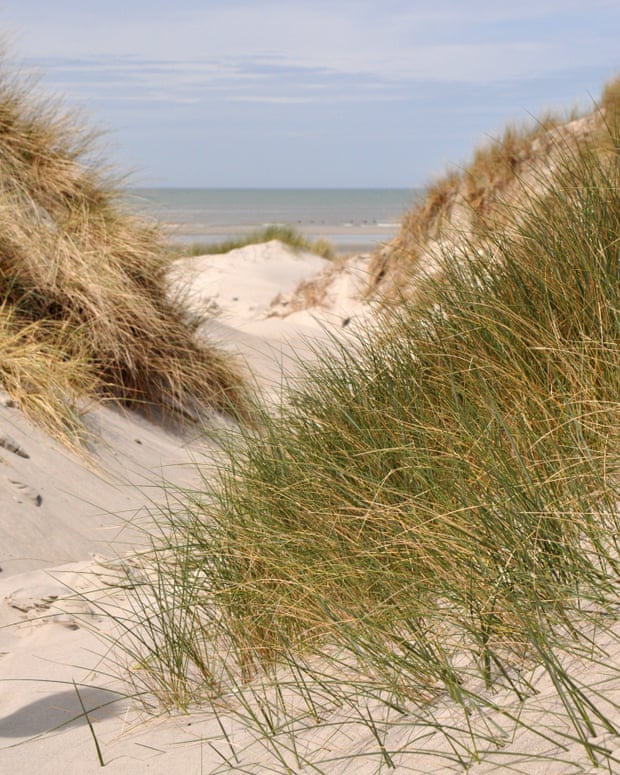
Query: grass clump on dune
(467,201)
(286,234)
(434,514)
(468,198)
(82,281)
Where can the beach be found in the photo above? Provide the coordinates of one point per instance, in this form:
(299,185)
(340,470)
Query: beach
(352,220)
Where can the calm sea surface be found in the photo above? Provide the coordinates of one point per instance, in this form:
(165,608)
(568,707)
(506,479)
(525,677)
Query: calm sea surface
(354,220)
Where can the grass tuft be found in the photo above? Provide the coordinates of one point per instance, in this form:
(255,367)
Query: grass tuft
(83,282)
(286,234)
(471,199)
(610,100)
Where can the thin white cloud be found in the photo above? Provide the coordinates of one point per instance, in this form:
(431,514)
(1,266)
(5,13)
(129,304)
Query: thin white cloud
(322,100)
(273,100)
(161,97)
(395,39)
(268,80)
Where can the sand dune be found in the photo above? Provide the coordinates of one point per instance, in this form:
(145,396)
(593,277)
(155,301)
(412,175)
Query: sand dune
(68,527)
(66,523)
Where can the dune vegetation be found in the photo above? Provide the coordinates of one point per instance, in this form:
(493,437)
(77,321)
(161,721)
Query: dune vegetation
(472,198)
(432,516)
(84,311)
(285,234)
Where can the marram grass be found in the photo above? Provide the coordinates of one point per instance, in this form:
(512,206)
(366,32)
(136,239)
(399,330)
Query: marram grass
(83,282)
(286,234)
(433,515)
(472,198)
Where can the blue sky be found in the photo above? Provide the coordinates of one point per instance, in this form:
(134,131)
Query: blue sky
(321,93)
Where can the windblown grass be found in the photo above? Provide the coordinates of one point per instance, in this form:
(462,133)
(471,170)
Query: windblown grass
(472,198)
(46,375)
(433,517)
(82,281)
(610,100)
(286,234)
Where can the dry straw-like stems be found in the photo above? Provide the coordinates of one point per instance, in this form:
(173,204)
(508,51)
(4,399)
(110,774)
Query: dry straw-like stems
(465,201)
(82,282)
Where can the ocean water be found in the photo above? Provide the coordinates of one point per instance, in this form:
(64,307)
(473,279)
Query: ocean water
(353,220)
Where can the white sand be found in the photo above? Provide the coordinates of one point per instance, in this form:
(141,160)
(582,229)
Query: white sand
(61,517)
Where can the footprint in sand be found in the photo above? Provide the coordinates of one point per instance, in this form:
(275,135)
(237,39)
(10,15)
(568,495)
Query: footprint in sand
(9,443)
(26,492)
(59,609)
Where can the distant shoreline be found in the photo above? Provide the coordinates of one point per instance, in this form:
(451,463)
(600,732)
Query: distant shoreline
(345,240)
(353,220)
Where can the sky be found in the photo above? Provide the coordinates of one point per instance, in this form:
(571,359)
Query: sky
(310,93)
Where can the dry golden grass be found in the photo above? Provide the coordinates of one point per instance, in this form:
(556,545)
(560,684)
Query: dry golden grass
(610,99)
(82,280)
(45,375)
(469,201)
(421,223)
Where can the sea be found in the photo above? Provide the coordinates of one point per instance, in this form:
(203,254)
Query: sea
(354,220)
